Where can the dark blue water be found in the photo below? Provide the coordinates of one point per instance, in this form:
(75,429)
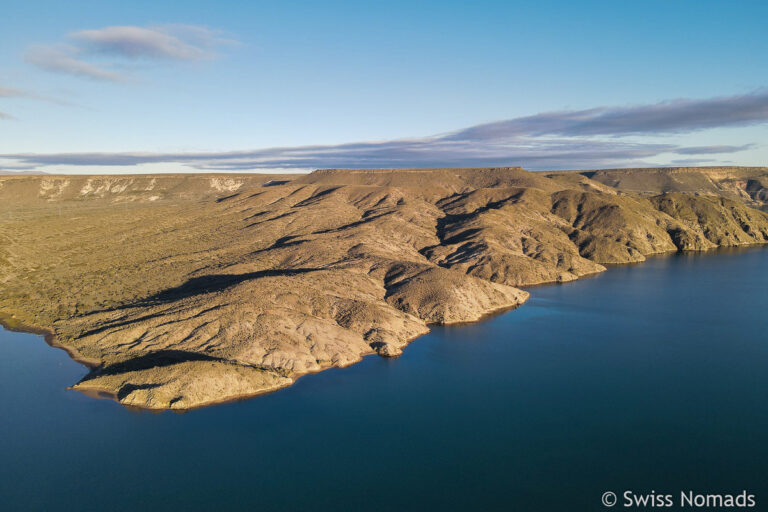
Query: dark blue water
(647,377)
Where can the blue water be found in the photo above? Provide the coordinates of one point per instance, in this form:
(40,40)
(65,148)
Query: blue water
(646,377)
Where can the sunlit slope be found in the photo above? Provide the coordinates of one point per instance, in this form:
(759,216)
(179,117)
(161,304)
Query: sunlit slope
(746,184)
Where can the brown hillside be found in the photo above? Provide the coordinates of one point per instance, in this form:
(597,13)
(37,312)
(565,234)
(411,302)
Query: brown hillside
(186,290)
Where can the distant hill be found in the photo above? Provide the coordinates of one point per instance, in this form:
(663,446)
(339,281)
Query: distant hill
(21,173)
(744,184)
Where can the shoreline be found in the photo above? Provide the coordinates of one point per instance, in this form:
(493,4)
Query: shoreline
(13,324)
(9,322)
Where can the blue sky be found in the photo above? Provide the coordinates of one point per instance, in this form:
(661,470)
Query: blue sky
(102,87)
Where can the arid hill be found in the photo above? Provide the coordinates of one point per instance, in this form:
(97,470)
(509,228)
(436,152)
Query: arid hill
(186,290)
(746,184)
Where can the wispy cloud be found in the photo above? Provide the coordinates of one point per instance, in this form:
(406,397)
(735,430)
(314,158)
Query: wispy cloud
(403,153)
(117,44)
(10,92)
(542,154)
(61,58)
(553,140)
(172,42)
(5,166)
(712,150)
(676,116)
(24,94)
(694,161)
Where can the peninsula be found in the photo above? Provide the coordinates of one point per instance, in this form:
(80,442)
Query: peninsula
(186,290)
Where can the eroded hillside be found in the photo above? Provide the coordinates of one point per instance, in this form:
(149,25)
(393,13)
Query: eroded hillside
(745,184)
(184,290)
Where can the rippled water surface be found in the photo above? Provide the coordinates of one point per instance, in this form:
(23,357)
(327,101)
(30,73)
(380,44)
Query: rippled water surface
(646,377)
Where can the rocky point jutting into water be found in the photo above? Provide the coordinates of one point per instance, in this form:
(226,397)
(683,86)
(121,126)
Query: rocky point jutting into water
(185,290)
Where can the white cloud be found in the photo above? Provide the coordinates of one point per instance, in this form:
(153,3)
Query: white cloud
(138,42)
(116,44)
(552,144)
(64,59)
(676,116)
